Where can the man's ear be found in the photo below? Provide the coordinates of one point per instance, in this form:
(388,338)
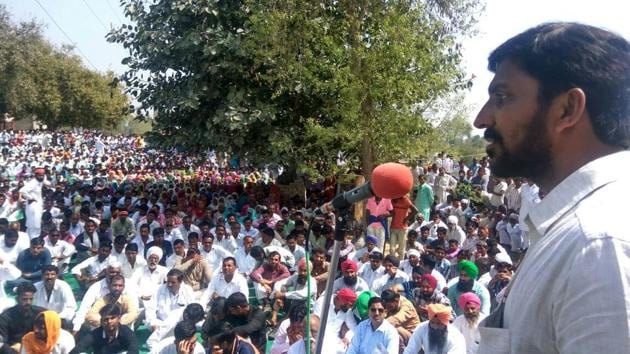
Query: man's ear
(569,109)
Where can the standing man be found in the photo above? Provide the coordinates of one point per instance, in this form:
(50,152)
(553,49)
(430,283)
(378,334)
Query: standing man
(424,197)
(400,221)
(32,193)
(558,114)
(378,210)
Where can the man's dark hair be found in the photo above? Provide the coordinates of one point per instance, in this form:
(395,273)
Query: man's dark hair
(442,230)
(37,241)
(374,300)
(194,312)
(132,246)
(393,260)
(120,240)
(273,254)
(562,56)
(193,235)
(110,310)
(297,313)
(316,251)
(184,330)
(178,241)
(389,295)
(428,260)
(257,251)
(229,258)
(104,243)
(217,305)
(4,221)
(176,273)
(10,233)
(26,287)
(158,231)
(50,268)
(117,277)
(236,299)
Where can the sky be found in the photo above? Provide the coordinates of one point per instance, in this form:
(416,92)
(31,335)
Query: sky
(84,24)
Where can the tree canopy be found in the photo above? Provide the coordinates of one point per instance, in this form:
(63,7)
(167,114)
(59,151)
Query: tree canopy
(302,83)
(51,84)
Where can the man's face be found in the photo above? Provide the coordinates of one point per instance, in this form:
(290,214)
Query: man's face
(116,287)
(119,247)
(515,123)
(426,288)
(247,224)
(172,283)
(153,261)
(291,243)
(207,244)
(471,312)
(377,313)
(274,261)
(375,263)
(228,268)
(36,250)
(424,234)
(318,259)
(390,269)
(110,323)
(235,228)
(53,237)
(144,233)
(302,274)
(350,277)
(413,260)
(111,271)
(179,249)
(90,227)
(392,306)
(370,246)
(104,252)
(220,232)
(25,299)
(300,239)
(248,243)
(131,256)
(49,278)
(40,177)
(187,221)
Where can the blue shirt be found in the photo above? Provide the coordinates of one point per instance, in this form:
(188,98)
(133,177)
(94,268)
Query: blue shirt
(367,341)
(27,263)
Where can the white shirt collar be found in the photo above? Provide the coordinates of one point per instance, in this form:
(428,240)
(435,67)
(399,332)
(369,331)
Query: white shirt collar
(576,187)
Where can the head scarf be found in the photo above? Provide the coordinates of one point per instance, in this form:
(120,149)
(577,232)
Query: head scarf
(430,279)
(32,345)
(361,304)
(371,239)
(348,264)
(467,298)
(442,312)
(346,296)
(155,250)
(469,268)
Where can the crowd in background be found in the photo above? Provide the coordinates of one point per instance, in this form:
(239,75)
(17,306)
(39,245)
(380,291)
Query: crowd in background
(186,243)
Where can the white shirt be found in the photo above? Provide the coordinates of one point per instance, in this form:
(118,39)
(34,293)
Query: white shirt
(500,188)
(91,266)
(149,282)
(95,292)
(335,320)
(455,342)
(61,249)
(245,262)
(228,243)
(215,256)
(184,233)
(167,346)
(470,333)
(570,293)
(7,272)
(219,285)
(370,275)
(385,282)
(158,309)
(133,272)
(61,299)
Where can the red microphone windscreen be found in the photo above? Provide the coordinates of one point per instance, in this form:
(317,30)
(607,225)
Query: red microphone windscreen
(391,180)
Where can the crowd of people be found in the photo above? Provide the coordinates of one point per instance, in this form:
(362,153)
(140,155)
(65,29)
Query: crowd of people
(174,241)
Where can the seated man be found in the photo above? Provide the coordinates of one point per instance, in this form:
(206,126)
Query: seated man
(393,275)
(18,320)
(362,255)
(225,283)
(294,288)
(341,322)
(372,270)
(31,261)
(128,306)
(56,295)
(60,250)
(47,336)
(159,241)
(197,273)
(265,276)
(468,322)
(243,319)
(413,260)
(427,293)
(92,269)
(173,295)
(401,313)
(246,263)
(192,313)
(349,278)
(436,335)
(151,276)
(467,282)
(132,264)
(179,252)
(110,337)
(183,342)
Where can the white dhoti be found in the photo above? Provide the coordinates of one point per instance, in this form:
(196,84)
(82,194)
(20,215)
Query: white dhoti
(33,215)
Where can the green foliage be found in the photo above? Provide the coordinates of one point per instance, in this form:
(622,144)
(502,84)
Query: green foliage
(37,79)
(295,82)
(465,190)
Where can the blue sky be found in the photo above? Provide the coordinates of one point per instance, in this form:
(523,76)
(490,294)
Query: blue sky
(87,21)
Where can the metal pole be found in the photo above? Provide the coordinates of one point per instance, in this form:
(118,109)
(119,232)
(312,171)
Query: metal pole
(340,232)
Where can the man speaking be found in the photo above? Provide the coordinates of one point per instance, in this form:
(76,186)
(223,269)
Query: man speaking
(559,114)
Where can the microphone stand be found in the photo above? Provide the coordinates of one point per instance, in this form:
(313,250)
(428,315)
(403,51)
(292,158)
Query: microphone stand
(340,234)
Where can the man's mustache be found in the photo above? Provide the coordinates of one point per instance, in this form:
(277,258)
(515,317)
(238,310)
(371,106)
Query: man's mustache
(492,135)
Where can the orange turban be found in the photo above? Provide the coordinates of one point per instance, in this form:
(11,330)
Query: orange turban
(442,312)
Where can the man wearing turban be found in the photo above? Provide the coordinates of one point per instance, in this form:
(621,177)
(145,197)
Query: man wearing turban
(468,322)
(47,336)
(437,335)
(350,278)
(341,322)
(467,282)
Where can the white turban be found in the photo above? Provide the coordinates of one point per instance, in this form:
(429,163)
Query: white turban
(502,258)
(452,219)
(114,263)
(155,250)
(413,252)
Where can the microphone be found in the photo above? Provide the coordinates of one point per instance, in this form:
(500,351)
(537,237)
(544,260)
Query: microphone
(389,180)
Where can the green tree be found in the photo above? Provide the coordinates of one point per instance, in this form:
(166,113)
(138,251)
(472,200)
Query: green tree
(294,82)
(51,84)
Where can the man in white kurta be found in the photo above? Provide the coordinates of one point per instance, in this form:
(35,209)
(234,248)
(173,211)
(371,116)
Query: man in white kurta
(55,294)
(225,283)
(32,193)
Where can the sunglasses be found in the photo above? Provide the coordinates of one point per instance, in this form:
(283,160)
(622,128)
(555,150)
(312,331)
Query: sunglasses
(377,310)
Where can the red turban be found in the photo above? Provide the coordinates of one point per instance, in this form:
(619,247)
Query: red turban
(348,264)
(430,279)
(346,296)
(467,298)
(442,312)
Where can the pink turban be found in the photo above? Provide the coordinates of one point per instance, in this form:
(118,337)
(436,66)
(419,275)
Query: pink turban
(346,296)
(468,298)
(348,264)
(430,279)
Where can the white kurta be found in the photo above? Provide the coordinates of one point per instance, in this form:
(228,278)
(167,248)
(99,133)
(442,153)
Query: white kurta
(61,299)
(32,191)
(470,333)
(455,342)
